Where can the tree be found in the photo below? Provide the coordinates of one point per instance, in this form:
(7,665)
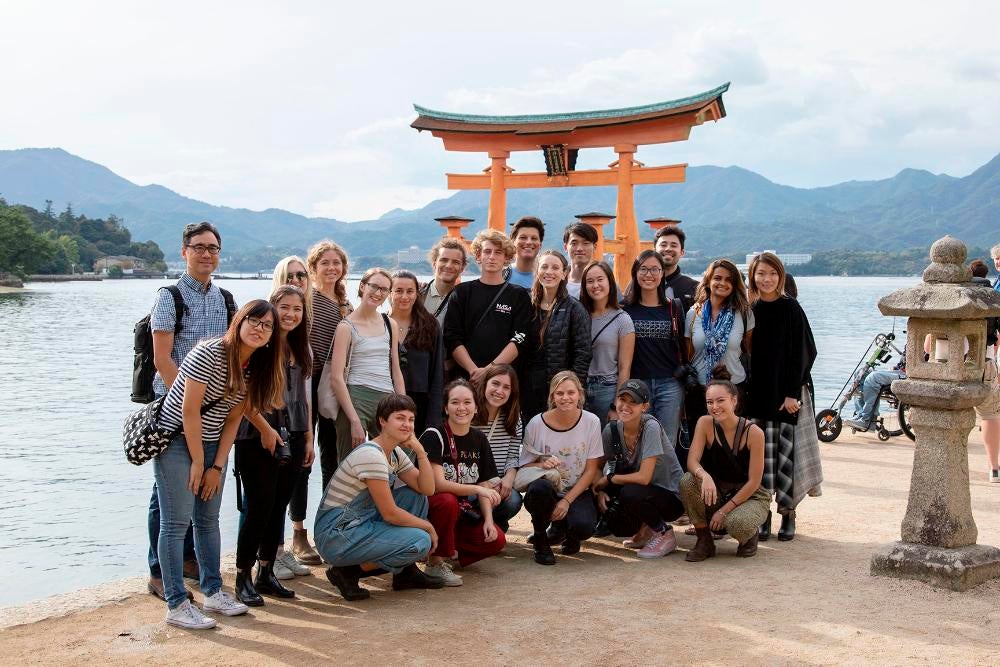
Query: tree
(21,249)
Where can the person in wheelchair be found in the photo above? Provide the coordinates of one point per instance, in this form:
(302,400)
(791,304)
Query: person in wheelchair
(871,390)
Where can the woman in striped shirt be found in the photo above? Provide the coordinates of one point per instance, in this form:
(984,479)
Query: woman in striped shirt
(498,416)
(218,381)
(326,305)
(365,524)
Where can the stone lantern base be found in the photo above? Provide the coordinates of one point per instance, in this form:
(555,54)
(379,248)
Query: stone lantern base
(959,569)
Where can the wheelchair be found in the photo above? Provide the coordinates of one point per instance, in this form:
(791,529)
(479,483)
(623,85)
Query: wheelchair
(893,418)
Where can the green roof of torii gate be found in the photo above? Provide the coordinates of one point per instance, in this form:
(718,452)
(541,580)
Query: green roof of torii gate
(440,120)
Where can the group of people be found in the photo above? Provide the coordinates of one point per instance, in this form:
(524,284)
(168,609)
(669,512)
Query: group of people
(540,384)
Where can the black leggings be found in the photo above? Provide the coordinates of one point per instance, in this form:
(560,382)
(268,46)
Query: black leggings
(578,524)
(639,504)
(267,488)
(326,435)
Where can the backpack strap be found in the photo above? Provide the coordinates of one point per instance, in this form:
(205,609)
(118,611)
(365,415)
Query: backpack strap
(180,308)
(230,305)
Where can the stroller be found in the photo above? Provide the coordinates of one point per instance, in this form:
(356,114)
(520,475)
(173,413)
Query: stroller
(893,416)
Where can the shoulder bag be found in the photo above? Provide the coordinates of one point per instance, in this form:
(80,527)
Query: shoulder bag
(528,474)
(142,436)
(326,399)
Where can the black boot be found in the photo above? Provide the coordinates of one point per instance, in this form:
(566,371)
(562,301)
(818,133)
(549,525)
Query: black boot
(787,530)
(345,580)
(764,532)
(268,584)
(413,577)
(245,591)
(543,551)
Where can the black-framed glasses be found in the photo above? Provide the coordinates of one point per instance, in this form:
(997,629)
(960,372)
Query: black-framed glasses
(649,270)
(377,289)
(258,323)
(296,275)
(201,248)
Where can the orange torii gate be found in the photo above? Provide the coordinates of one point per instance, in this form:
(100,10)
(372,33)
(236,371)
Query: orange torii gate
(560,137)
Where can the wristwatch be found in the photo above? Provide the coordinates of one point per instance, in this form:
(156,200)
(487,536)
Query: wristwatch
(216,468)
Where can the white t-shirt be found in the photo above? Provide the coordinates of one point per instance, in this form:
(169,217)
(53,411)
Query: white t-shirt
(573,447)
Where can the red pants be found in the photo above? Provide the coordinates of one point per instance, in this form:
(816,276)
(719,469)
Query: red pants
(458,534)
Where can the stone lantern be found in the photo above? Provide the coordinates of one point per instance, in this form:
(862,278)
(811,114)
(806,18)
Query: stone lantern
(947,311)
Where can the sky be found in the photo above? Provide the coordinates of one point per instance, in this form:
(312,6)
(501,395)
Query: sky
(306,106)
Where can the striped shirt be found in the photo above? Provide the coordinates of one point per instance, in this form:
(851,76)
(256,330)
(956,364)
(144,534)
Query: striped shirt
(326,316)
(506,448)
(364,463)
(205,316)
(206,364)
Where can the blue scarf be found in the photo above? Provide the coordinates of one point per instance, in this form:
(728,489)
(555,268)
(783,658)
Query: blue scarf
(716,336)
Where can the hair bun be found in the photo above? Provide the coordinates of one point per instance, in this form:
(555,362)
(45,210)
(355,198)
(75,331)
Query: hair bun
(720,372)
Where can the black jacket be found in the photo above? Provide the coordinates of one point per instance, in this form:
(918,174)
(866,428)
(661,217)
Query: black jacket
(566,347)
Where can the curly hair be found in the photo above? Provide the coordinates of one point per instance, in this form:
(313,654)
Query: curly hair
(497,238)
(312,261)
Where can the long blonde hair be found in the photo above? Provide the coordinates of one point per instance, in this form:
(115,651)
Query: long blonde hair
(280,279)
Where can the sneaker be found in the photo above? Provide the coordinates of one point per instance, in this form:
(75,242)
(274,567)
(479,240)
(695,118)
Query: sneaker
(640,539)
(222,603)
(288,561)
(188,616)
(995,477)
(659,545)
(443,572)
(281,570)
(856,424)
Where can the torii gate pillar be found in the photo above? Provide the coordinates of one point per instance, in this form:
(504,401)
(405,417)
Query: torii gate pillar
(497,216)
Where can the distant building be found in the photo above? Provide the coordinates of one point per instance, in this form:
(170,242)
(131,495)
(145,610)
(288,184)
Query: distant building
(788,259)
(412,255)
(126,263)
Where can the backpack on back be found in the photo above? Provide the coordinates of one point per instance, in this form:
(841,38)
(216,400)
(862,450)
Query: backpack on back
(143,369)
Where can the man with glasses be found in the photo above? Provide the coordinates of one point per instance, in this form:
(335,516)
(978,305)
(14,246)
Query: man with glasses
(206,312)
(488,318)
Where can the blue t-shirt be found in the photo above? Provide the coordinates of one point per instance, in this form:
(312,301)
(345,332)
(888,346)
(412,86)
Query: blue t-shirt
(522,278)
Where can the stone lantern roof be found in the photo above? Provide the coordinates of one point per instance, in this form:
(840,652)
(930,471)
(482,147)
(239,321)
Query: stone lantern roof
(946,292)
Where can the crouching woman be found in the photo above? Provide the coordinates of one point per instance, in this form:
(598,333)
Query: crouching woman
(364,525)
(639,495)
(461,508)
(566,439)
(722,491)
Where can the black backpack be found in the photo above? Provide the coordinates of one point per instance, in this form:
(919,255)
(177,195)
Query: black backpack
(143,369)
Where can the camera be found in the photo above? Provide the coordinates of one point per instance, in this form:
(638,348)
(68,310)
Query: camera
(687,376)
(282,452)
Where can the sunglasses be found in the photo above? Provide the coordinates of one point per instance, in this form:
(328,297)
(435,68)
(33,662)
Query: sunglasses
(297,275)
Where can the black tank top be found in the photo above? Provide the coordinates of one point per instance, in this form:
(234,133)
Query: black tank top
(721,462)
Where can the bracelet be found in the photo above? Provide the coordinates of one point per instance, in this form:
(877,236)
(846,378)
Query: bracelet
(216,468)
(563,500)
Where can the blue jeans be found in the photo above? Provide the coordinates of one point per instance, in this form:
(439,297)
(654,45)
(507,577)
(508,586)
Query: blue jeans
(179,508)
(358,534)
(507,509)
(666,399)
(601,391)
(153,527)
(870,390)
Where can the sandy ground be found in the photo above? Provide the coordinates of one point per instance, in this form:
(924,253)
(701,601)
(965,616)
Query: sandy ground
(809,601)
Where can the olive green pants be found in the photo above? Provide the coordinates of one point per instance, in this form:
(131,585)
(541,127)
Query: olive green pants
(364,400)
(741,523)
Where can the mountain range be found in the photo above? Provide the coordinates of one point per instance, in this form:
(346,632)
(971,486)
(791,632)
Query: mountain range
(725,210)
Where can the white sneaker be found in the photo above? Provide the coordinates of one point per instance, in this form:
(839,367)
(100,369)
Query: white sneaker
(223,604)
(994,476)
(188,616)
(443,572)
(287,561)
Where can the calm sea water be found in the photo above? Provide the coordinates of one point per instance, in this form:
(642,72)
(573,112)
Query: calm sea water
(73,511)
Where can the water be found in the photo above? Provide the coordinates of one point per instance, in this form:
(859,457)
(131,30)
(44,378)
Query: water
(73,511)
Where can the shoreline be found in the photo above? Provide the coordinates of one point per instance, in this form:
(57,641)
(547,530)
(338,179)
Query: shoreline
(510,610)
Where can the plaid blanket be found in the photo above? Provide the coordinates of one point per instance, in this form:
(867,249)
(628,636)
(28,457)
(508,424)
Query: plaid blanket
(792,465)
